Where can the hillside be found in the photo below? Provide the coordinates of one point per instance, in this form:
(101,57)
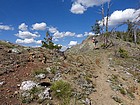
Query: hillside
(79,76)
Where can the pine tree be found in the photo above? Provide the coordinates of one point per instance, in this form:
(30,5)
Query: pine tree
(96,28)
(48,42)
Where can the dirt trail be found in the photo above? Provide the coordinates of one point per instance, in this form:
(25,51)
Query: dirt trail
(104,92)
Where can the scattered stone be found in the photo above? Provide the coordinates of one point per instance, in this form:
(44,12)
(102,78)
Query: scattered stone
(16,92)
(48,69)
(27,85)
(87,101)
(58,91)
(18,85)
(41,76)
(57,77)
(15,50)
(25,94)
(45,94)
(2,83)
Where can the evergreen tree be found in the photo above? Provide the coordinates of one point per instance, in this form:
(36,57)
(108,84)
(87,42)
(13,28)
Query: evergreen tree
(96,28)
(48,42)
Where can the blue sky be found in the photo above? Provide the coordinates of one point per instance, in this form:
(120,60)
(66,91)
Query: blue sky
(69,21)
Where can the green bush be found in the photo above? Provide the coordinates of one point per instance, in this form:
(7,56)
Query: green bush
(122,91)
(117,99)
(62,90)
(103,45)
(123,53)
(40,71)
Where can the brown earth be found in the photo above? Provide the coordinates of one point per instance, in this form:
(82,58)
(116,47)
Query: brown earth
(115,79)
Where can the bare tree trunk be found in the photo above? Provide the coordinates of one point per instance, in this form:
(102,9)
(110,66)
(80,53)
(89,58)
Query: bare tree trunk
(102,12)
(135,36)
(107,18)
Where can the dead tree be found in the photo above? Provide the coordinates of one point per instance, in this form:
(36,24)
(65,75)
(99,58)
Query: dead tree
(103,20)
(107,16)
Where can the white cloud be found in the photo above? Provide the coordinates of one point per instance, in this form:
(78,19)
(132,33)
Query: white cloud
(79,36)
(72,43)
(58,34)
(52,29)
(6,27)
(23,27)
(38,41)
(63,48)
(80,6)
(69,33)
(89,33)
(39,26)
(27,35)
(77,8)
(28,41)
(119,16)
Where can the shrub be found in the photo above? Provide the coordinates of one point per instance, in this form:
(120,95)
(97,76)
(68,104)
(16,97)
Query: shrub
(123,53)
(103,45)
(117,99)
(62,90)
(122,91)
(40,71)
(130,93)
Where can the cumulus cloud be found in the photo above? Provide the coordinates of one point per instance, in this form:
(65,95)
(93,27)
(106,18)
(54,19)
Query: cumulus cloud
(26,35)
(39,26)
(6,27)
(119,17)
(72,43)
(58,34)
(52,30)
(28,41)
(23,27)
(79,36)
(80,6)
(89,33)
(77,8)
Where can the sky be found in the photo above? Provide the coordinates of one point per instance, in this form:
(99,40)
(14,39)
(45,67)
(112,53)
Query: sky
(26,22)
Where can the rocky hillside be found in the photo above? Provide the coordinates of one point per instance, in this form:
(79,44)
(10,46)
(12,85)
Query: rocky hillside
(80,76)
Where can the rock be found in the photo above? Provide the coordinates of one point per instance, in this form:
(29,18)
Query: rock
(27,85)
(41,76)
(87,101)
(16,92)
(58,91)
(25,94)
(45,94)
(18,85)
(57,77)
(48,69)
(2,83)
(15,50)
